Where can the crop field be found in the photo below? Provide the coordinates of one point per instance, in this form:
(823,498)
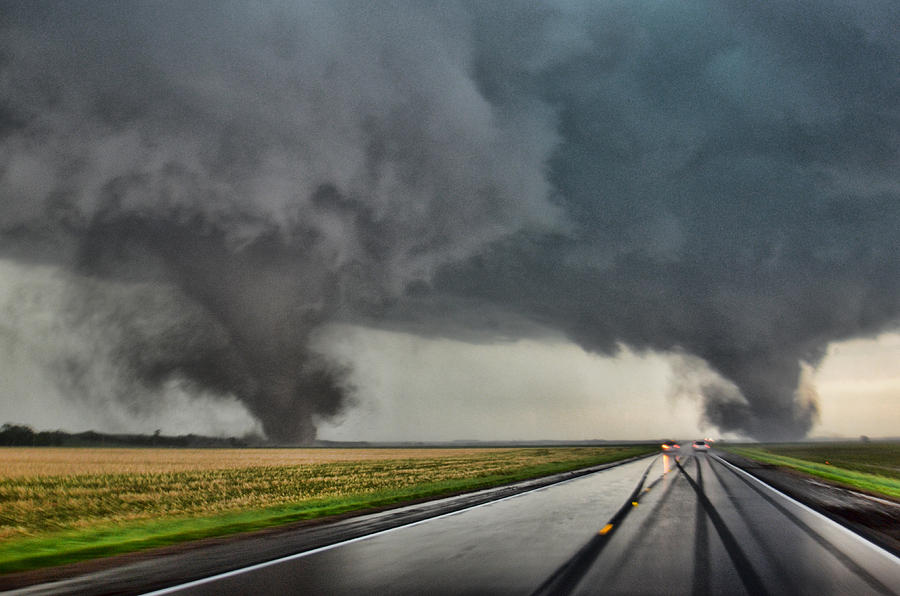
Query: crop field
(60,461)
(871,467)
(64,505)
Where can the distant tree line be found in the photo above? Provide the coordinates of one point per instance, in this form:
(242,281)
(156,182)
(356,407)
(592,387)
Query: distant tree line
(20,435)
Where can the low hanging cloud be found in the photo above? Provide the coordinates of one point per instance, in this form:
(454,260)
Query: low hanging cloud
(715,179)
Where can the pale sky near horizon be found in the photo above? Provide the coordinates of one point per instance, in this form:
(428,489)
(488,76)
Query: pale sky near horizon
(556,390)
(427,389)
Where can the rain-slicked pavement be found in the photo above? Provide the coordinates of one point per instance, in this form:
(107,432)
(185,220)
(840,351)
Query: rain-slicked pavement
(703,527)
(685,524)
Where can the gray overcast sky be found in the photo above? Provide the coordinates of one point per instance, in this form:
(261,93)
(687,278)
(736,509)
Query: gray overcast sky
(450,219)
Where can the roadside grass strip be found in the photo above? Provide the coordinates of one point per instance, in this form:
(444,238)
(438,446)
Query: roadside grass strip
(871,483)
(881,458)
(46,521)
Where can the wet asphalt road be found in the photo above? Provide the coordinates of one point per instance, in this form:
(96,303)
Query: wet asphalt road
(700,527)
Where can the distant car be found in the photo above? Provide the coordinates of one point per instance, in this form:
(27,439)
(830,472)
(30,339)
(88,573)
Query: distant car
(670,446)
(700,445)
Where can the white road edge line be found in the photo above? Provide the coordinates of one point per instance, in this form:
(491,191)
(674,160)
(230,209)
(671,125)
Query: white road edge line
(890,556)
(306,553)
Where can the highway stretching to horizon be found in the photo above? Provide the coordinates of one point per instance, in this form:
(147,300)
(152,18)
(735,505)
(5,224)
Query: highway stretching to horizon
(683,523)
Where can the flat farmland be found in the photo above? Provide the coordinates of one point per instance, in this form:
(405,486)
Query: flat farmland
(52,461)
(64,505)
(879,458)
(871,467)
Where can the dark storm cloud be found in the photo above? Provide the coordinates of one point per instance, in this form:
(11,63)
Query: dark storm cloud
(703,177)
(277,166)
(731,172)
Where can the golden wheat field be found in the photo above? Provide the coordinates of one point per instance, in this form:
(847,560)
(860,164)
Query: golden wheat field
(17,462)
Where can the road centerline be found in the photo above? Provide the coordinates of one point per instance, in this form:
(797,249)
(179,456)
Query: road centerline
(313,551)
(569,574)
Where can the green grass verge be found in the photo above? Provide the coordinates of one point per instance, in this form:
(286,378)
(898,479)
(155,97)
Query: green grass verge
(872,483)
(70,546)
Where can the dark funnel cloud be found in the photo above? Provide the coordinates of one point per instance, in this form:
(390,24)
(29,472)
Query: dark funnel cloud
(715,179)
(275,167)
